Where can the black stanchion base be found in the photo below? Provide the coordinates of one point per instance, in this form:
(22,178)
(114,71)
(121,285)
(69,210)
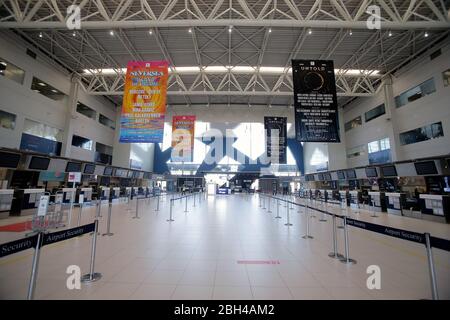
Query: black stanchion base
(108,234)
(288,224)
(349,261)
(323,220)
(136,217)
(336,256)
(277,217)
(307,237)
(88,278)
(340,227)
(170,220)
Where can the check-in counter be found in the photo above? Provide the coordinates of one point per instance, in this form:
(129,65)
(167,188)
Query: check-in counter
(128,192)
(6,198)
(395,202)
(435,207)
(355,197)
(134,192)
(69,195)
(377,201)
(323,195)
(344,198)
(25,201)
(86,193)
(115,194)
(104,193)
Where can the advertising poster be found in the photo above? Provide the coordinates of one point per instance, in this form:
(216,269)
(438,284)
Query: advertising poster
(315,101)
(144,102)
(276,138)
(183,138)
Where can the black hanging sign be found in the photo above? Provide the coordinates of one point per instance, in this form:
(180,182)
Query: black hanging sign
(17,245)
(276,126)
(315,101)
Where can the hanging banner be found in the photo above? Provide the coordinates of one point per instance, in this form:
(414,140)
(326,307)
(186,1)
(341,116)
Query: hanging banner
(183,130)
(315,101)
(144,102)
(276,138)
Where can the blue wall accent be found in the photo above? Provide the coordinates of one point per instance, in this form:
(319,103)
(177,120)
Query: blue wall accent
(161,157)
(38,144)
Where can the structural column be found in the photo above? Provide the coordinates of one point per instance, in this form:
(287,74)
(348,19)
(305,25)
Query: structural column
(389,103)
(71,109)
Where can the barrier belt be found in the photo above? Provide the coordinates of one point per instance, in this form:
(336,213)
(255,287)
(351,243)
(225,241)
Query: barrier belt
(18,245)
(50,238)
(439,243)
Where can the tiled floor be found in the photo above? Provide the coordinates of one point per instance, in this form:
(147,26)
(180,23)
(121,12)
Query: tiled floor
(196,256)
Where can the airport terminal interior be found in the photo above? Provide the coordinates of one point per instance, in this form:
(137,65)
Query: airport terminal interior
(225,150)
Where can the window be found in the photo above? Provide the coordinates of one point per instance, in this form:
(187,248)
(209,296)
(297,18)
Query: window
(103,153)
(378,145)
(355,152)
(446,77)
(375,112)
(415,93)
(379,151)
(10,71)
(85,110)
(7,120)
(106,122)
(47,90)
(428,132)
(81,142)
(41,130)
(353,123)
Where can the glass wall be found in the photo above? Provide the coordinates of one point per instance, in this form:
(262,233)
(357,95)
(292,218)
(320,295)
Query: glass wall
(85,110)
(379,151)
(81,142)
(107,122)
(353,123)
(356,151)
(424,133)
(423,89)
(375,113)
(7,120)
(47,90)
(11,71)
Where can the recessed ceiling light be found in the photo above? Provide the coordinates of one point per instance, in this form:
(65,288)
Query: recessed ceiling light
(150,32)
(40,35)
(390,34)
(3,63)
(230,29)
(190,30)
(55,91)
(74,34)
(111,33)
(351,32)
(426,34)
(42,84)
(270,30)
(309,31)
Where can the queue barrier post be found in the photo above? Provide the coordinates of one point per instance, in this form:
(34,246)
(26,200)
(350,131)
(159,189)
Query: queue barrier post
(346,259)
(343,208)
(185,204)
(323,218)
(170,210)
(92,276)
(278,210)
(269,211)
(194,200)
(99,208)
(307,235)
(108,227)
(335,253)
(137,209)
(434,289)
(79,214)
(34,268)
(260,203)
(264,202)
(374,215)
(288,222)
(157,203)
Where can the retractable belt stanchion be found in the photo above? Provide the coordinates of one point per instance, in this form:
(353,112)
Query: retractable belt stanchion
(270,211)
(92,275)
(374,215)
(170,210)
(194,200)
(137,209)
(185,204)
(278,210)
(264,202)
(343,208)
(108,228)
(260,205)
(434,290)
(157,203)
(307,235)
(99,208)
(335,253)
(346,258)
(288,222)
(34,269)
(323,218)
(79,214)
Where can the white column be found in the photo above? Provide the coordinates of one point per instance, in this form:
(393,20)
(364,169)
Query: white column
(71,108)
(121,151)
(391,114)
(337,154)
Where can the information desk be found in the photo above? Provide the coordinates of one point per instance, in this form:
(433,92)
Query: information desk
(395,202)
(6,198)
(377,201)
(322,195)
(25,201)
(355,198)
(104,193)
(435,207)
(224,190)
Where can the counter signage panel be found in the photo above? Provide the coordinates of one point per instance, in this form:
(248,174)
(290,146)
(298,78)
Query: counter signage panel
(39,163)
(341,175)
(9,160)
(73,167)
(108,171)
(425,167)
(89,168)
(371,172)
(389,171)
(350,174)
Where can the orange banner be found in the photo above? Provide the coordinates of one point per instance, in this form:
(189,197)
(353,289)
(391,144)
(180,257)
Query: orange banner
(183,130)
(144,102)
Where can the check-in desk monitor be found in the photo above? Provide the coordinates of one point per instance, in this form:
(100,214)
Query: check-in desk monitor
(435,207)
(355,197)
(69,195)
(6,198)
(87,194)
(395,202)
(377,201)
